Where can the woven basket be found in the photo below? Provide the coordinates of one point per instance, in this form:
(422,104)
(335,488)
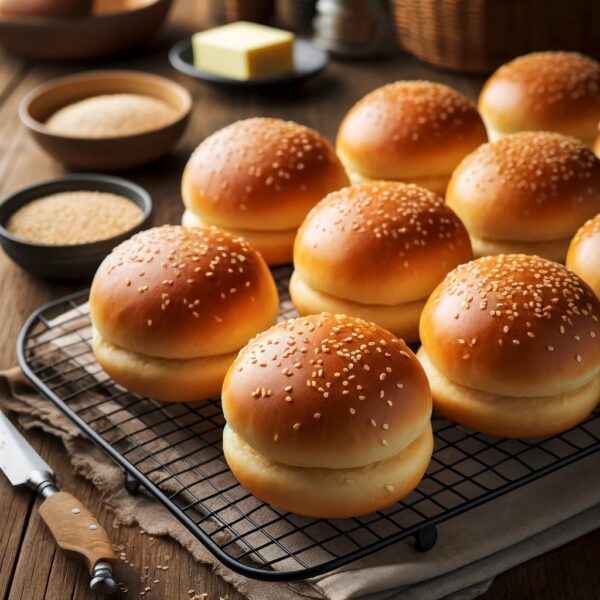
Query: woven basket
(479,35)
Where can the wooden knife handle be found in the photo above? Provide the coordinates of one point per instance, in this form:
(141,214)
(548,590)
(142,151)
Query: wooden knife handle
(76,531)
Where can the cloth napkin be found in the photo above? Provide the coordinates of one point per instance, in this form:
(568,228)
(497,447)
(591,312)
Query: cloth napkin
(471,549)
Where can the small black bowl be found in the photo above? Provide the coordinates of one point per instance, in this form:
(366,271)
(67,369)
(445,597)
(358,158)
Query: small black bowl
(75,261)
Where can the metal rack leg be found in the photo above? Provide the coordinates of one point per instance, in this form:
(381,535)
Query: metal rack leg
(426,538)
(132,485)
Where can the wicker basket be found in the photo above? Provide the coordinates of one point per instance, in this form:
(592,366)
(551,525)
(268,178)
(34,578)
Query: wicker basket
(479,35)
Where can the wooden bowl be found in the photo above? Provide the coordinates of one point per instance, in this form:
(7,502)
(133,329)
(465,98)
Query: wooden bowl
(114,26)
(112,153)
(75,261)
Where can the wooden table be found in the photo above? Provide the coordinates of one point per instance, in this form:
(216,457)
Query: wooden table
(30,566)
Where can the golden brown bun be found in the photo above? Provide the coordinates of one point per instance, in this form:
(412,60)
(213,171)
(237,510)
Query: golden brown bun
(555,250)
(513,325)
(260,174)
(380,243)
(329,493)
(276,247)
(409,130)
(527,187)
(597,146)
(45,8)
(400,319)
(166,379)
(510,416)
(584,254)
(177,292)
(544,91)
(436,184)
(327,391)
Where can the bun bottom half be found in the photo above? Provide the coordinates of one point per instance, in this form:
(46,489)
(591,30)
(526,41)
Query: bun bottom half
(555,250)
(584,131)
(401,319)
(434,183)
(509,416)
(329,493)
(165,379)
(276,247)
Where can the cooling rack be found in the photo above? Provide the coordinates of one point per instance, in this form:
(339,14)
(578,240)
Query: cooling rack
(174,452)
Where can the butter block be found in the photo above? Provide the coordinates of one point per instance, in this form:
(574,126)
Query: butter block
(244,51)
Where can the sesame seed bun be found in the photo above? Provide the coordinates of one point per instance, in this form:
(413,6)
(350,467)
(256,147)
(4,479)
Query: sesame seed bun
(412,131)
(510,416)
(167,379)
(329,493)
(377,250)
(177,294)
(529,191)
(584,254)
(276,247)
(512,326)
(401,319)
(327,392)
(260,175)
(544,91)
(552,250)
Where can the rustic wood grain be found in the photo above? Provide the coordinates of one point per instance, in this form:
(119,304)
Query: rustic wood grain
(31,568)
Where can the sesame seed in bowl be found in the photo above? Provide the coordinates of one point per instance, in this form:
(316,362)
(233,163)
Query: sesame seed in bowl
(64,227)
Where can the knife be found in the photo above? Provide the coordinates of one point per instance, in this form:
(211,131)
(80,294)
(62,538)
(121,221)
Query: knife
(74,528)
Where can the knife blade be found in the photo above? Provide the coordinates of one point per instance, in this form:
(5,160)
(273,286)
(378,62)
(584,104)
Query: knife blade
(73,526)
(18,459)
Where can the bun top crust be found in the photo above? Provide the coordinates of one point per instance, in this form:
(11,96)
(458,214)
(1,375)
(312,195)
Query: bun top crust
(327,391)
(380,243)
(409,129)
(553,91)
(514,325)
(174,292)
(260,174)
(584,253)
(529,186)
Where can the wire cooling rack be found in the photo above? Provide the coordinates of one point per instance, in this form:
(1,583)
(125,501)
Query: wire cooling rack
(174,451)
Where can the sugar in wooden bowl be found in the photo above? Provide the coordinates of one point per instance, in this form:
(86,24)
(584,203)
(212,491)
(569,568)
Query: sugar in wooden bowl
(112,115)
(74,217)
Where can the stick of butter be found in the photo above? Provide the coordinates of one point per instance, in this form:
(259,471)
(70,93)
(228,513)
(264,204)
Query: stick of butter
(244,51)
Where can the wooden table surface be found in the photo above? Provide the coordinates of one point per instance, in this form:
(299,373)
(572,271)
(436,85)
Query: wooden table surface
(30,566)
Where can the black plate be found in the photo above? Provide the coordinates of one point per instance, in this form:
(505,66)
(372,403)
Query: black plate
(308,61)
